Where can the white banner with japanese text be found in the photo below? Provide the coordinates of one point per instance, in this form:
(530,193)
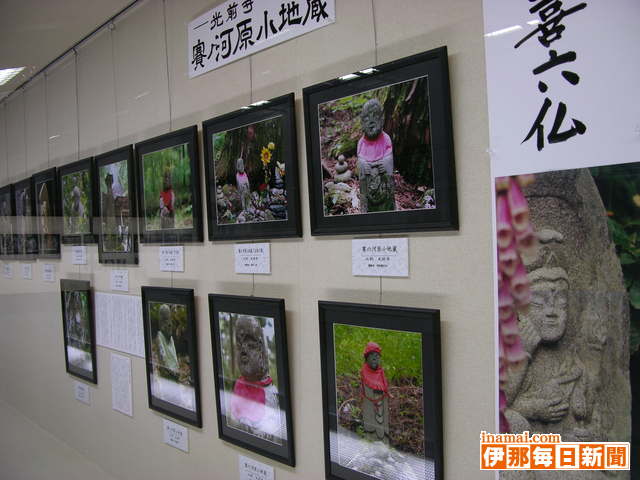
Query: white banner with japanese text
(238,28)
(562,83)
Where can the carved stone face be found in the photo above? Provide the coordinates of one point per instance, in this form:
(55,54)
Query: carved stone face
(372,118)
(373,360)
(548,308)
(165,319)
(166,181)
(240,165)
(251,353)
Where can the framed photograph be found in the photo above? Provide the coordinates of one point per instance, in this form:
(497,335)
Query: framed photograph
(381,392)
(171,347)
(380,149)
(46,203)
(251,165)
(7,208)
(169,188)
(251,371)
(79,329)
(77,206)
(117,213)
(26,237)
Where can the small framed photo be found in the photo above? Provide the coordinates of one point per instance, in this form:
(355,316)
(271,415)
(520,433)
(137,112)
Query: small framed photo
(251,165)
(46,202)
(251,371)
(117,213)
(77,204)
(381,392)
(7,208)
(79,329)
(171,347)
(380,149)
(26,237)
(168,169)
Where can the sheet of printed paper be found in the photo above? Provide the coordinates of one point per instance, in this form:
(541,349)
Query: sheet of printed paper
(120,280)
(27,271)
(79,255)
(119,322)
(175,435)
(253,470)
(82,392)
(48,272)
(7,270)
(380,257)
(172,259)
(121,398)
(252,258)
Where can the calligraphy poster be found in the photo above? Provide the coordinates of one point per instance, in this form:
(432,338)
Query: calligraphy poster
(238,28)
(564,114)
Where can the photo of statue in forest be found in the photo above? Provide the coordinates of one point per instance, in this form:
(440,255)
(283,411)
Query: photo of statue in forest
(26,241)
(46,202)
(6,231)
(167,191)
(78,329)
(376,152)
(249,369)
(171,377)
(76,203)
(114,207)
(379,400)
(249,169)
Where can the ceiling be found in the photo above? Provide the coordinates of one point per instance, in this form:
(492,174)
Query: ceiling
(35,32)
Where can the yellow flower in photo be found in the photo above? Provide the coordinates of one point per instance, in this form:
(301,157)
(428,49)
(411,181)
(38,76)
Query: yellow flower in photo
(271,145)
(636,200)
(265,156)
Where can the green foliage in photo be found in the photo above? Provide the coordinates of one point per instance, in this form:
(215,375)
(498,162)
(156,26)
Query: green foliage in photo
(76,203)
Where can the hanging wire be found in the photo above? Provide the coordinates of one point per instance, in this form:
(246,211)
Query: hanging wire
(75,59)
(112,27)
(253,284)
(375,32)
(46,116)
(166,54)
(24,136)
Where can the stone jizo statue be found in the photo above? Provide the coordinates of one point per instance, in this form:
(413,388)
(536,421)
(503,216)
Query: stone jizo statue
(375,395)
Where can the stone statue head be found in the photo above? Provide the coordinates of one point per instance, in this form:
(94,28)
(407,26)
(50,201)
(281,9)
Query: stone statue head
(372,355)
(108,180)
(372,118)
(548,308)
(164,324)
(251,349)
(166,180)
(240,165)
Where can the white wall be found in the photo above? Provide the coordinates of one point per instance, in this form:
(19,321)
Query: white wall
(126,85)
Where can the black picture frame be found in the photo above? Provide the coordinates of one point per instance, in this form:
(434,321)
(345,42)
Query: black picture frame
(77,340)
(433,205)
(83,170)
(125,212)
(7,212)
(165,377)
(345,330)
(189,138)
(47,215)
(258,436)
(282,110)
(25,236)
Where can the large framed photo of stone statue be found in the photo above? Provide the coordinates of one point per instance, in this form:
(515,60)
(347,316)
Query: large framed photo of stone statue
(168,169)
(568,268)
(381,392)
(26,237)
(171,348)
(380,149)
(45,185)
(251,372)
(251,164)
(7,208)
(77,204)
(117,213)
(79,329)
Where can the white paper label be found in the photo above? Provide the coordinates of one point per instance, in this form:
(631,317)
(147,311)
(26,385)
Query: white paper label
(82,392)
(252,470)
(79,255)
(119,323)
(27,271)
(176,435)
(7,270)
(172,259)
(121,384)
(235,29)
(253,258)
(120,280)
(380,257)
(48,272)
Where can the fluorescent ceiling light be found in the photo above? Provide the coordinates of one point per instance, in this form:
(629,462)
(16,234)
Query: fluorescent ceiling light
(7,74)
(348,76)
(504,30)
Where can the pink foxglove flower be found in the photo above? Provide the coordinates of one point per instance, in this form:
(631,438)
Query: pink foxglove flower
(502,184)
(518,206)
(526,240)
(505,303)
(508,260)
(503,219)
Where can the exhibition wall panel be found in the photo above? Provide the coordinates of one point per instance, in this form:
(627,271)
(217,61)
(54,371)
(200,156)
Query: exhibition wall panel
(132,84)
